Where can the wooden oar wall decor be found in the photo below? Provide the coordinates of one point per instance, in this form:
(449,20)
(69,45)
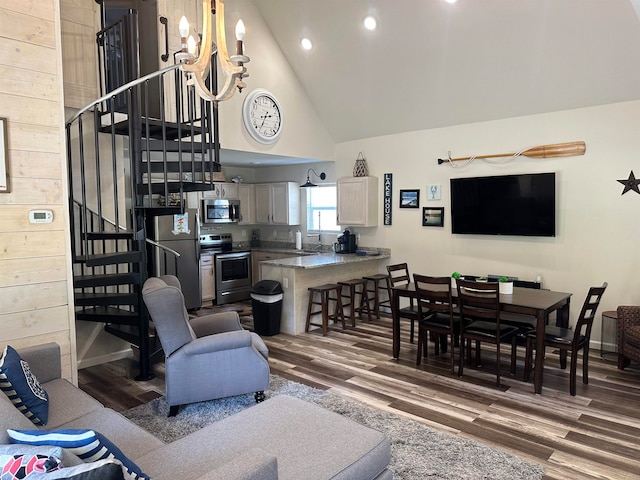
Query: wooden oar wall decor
(568,149)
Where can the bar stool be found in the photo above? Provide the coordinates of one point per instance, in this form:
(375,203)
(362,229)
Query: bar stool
(324,292)
(379,282)
(352,286)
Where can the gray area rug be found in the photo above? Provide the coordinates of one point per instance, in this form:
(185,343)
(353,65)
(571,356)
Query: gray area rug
(418,452)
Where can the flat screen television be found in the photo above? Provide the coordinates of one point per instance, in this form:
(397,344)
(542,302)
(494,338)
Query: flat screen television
(505,205)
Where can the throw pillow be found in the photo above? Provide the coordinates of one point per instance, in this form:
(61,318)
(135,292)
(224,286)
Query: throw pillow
(100,470)
(19,462)
(89,445)
(22,387)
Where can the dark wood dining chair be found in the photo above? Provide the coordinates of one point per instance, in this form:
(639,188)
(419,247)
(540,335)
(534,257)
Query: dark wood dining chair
(479,304)
(570,340)
(436,315)
(399,275)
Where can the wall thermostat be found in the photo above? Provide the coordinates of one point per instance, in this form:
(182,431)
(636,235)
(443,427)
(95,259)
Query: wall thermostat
(40,216)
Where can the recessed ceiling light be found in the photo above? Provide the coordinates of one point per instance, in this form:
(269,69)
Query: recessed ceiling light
(370,23)
(451,1)
(306,44)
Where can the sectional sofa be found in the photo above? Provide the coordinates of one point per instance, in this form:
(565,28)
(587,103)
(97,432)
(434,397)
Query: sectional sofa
(281,438)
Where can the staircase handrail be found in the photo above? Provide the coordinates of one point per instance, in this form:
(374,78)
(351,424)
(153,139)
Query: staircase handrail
(103,218)
(121,89)
(163,247)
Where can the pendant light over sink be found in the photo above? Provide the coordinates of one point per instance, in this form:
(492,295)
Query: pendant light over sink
(322,176)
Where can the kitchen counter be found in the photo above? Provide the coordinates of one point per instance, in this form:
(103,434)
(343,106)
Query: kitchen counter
(297,274)
(321,260)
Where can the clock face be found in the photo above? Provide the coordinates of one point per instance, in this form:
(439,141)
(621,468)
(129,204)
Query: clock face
(262,116)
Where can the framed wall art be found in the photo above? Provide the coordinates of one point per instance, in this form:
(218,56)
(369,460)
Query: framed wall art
(4,160)
(409,198)
(433,217)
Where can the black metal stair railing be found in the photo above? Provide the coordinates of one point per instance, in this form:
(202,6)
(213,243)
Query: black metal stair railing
(128,153)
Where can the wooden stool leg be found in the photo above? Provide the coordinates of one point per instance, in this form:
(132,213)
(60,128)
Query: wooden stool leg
(364,300)
(306,328)
(340,310)
(325,314)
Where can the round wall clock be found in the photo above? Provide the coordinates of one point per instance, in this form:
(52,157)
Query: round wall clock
(262,116)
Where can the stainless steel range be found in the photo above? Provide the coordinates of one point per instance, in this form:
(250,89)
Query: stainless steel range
(232,268)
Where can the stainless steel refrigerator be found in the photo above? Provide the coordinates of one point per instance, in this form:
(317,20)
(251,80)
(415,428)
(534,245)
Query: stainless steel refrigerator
(181,234)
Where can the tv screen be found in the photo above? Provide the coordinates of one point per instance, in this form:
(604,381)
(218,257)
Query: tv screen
(505,205)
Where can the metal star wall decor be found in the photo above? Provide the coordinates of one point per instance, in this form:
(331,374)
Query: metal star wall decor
(630,184)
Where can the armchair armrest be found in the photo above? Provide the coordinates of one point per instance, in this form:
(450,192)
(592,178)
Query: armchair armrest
(627,316)
(218,343)
(215,323)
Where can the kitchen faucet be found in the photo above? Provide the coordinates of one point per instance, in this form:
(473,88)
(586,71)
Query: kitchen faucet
(319,246)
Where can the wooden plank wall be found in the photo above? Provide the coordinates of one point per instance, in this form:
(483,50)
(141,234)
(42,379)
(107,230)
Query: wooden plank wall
(35,270)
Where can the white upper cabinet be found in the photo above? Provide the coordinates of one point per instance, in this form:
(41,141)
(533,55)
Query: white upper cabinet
(278,203)
(357,201)
(247,196)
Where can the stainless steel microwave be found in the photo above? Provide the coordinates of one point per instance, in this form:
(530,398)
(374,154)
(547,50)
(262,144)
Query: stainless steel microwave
(219,210)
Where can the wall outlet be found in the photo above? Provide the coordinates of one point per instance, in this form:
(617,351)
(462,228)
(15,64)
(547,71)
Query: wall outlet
(285,282)
(244,234)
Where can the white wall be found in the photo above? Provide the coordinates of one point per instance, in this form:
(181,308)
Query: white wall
(303,134)
(597,228)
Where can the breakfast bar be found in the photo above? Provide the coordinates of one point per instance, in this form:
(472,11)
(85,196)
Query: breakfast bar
(297,274)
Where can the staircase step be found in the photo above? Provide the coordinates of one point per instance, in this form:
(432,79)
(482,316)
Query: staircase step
(173,166)
(155,128)
(105,298)
(104,280)
(173,187)
(108,315)
(129,333)
(173,146)
(110,235)
(109,258)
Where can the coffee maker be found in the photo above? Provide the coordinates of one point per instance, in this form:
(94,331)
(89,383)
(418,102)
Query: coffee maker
(346,243)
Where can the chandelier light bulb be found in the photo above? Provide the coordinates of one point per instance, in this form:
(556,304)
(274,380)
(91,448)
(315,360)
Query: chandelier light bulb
(192,47)
(183,27)
(306,44)
(240,31)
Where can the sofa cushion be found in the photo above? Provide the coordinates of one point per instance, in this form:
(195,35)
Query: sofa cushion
(129,437)
(67,403)
(89,445)
(22,387)
(308,441)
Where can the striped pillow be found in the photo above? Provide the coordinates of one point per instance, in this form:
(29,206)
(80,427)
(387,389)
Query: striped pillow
(89,445)
(22,387)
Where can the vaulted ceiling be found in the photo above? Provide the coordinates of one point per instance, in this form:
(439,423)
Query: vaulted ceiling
(432,64)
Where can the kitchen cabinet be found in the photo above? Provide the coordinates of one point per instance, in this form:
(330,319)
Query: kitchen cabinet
(278,203)
(258,256)
(207,278)
(227,191)
(357,201)
(247,197)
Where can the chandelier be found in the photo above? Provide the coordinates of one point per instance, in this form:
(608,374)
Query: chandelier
(195,59)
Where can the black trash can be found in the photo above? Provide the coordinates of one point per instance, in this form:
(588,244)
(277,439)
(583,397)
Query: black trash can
(266,302)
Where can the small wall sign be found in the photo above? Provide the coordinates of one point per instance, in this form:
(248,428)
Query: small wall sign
(386,202)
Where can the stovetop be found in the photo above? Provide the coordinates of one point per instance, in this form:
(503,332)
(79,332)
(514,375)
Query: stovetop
(216,243)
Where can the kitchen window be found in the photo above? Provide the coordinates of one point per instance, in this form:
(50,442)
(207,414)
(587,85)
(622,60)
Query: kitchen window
(321,209)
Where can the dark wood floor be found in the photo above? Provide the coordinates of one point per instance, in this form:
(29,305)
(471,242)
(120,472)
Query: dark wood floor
(594,435)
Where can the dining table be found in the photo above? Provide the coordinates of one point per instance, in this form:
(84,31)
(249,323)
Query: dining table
(537,303)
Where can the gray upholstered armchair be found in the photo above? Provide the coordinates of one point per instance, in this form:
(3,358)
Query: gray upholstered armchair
(207,357)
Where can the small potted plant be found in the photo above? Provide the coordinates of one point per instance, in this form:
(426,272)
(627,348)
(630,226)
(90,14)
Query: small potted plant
(505,285)
(454,277)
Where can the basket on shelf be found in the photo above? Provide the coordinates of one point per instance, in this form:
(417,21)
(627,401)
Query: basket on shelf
(360,168)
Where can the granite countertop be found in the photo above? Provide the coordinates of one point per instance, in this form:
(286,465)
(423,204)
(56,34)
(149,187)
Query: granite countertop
(323,260)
